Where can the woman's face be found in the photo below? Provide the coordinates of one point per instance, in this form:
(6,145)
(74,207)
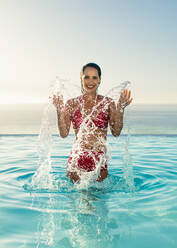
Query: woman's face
(90,79)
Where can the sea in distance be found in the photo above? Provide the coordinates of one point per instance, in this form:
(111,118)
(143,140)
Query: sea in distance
(139,119)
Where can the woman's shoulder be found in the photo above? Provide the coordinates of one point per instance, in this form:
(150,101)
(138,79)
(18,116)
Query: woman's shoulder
(74,101)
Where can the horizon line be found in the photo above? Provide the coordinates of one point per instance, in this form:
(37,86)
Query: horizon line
(72,134)
(138,103)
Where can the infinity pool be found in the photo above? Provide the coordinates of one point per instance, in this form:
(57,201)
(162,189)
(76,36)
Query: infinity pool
(109,214)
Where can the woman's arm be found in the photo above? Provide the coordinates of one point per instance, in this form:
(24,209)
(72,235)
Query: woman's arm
(63,115)
(116,113)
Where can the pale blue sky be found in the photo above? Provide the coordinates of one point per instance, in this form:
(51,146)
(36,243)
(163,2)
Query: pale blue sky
(131,40)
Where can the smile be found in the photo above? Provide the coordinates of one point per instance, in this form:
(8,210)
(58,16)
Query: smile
(90,86)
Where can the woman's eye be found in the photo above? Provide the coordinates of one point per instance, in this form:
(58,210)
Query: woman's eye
(94,77)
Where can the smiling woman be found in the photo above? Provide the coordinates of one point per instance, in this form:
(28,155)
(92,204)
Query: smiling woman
(90,76)
(90,115)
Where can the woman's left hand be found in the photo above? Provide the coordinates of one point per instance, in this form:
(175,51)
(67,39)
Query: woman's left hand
(124,99)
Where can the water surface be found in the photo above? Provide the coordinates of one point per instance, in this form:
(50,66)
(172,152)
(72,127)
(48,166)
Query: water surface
(108,214)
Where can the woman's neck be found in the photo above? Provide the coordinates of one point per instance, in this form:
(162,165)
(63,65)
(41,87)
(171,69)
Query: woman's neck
(91,96)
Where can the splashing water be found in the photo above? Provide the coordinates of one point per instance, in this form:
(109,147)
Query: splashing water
(43,178)
(127,165)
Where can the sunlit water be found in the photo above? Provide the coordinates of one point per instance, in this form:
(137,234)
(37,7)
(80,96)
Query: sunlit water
(106,214)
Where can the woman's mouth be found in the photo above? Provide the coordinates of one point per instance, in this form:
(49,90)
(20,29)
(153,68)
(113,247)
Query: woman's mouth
(90,86)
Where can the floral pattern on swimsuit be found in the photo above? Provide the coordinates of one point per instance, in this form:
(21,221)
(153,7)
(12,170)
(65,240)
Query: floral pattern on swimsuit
(100,121)
(87,161)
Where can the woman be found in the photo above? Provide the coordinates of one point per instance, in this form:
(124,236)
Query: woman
(90,115)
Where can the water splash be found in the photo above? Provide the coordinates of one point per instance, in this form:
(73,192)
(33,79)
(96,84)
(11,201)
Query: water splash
(127,165)
(115,92)
(43,178)
(63,87)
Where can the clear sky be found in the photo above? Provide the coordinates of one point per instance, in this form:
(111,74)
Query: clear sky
(131,40)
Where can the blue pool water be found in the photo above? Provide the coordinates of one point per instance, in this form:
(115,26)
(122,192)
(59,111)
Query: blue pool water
(109,214)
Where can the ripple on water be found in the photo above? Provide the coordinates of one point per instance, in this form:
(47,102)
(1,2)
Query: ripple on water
(67,215)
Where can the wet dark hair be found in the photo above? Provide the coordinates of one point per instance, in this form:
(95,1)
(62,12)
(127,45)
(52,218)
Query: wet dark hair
(92,65)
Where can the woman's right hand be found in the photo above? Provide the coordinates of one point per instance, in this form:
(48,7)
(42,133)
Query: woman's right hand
(58,102)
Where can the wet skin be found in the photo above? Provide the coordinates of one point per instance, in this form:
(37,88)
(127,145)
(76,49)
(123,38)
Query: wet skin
(90,81)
